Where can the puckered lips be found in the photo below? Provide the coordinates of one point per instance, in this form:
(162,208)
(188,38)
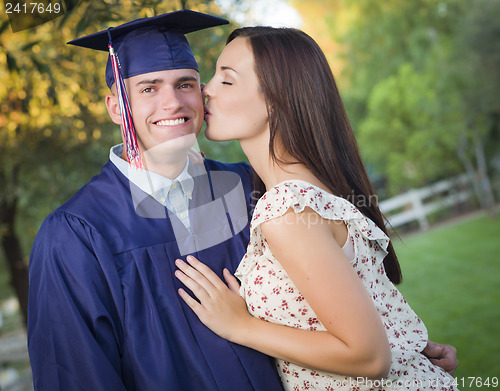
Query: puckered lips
(207,113)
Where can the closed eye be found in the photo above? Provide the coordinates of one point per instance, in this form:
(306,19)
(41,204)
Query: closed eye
(227,83)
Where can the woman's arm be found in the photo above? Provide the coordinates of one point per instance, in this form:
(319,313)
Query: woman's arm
(355,342)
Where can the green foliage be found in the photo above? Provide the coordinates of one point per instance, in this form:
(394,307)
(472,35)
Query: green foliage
(206,47)
(451,281)
(411,130)
(421,85)
(224,151)
(478,58)
(386,35)
(478,45)
(49,123)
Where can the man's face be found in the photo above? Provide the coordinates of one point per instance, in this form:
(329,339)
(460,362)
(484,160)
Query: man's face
(166,105)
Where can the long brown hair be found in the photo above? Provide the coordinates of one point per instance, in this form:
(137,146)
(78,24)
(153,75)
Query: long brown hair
(307,116)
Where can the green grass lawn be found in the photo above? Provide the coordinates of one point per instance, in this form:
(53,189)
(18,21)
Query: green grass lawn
(452,281)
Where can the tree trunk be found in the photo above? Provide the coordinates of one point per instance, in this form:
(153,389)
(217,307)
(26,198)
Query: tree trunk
(484,179)
(10,241)
(469,168)
(13,253)
(478,176)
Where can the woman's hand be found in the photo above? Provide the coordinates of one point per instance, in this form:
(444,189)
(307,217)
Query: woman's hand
(220,306)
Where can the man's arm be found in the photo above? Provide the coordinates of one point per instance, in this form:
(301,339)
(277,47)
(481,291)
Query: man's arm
(444,356)
(73,323)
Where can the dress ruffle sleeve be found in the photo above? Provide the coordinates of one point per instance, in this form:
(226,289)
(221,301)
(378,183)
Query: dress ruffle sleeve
(298,195)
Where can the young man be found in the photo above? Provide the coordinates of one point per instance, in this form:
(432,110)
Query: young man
(104,312)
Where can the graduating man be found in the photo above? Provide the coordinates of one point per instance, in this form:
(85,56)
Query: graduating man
(104,313)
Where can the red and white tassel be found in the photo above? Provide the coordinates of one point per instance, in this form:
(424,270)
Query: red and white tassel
(128,130)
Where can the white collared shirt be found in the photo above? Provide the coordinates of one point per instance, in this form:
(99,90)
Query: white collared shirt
(173,194)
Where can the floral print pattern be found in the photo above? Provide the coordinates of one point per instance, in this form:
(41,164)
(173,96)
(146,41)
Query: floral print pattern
(272,296)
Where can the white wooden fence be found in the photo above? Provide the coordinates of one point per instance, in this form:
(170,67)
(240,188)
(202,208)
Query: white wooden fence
(416,204)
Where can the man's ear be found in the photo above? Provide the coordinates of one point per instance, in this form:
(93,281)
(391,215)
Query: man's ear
(113,107)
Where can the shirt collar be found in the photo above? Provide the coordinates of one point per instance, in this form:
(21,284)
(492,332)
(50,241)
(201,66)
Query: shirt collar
(150,182)
(186,181)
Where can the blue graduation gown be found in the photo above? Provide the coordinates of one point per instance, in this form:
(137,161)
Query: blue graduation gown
(104,312)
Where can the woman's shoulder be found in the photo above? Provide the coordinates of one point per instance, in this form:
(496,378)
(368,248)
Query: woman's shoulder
(295,196)
(310,201)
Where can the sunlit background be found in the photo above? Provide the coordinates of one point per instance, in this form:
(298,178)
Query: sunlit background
(420,80)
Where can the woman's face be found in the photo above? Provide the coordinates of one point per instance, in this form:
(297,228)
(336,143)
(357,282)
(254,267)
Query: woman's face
(235,107)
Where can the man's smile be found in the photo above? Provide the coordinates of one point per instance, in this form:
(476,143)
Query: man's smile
(171,122)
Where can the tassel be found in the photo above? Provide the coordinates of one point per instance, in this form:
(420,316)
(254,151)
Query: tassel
(127,127)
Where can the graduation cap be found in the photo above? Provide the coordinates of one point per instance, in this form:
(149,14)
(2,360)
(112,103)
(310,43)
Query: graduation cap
(143,46)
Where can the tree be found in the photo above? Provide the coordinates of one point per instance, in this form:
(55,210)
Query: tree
(384,35)
(45,118)
(458,59)
(410,130)
(478,60)
(449,50)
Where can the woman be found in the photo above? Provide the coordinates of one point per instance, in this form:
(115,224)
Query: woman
(319,271)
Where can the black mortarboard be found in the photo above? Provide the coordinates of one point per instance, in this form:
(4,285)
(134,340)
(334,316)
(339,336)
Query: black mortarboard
(151,44)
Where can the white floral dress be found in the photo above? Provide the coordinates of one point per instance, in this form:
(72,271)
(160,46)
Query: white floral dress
(272,296)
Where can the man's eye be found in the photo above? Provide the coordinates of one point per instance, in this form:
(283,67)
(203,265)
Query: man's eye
(147,89)
(185,85)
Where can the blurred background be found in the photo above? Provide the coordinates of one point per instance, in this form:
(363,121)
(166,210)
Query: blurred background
(420,81)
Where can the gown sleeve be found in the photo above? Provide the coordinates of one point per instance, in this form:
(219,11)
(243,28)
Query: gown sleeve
(75,309)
